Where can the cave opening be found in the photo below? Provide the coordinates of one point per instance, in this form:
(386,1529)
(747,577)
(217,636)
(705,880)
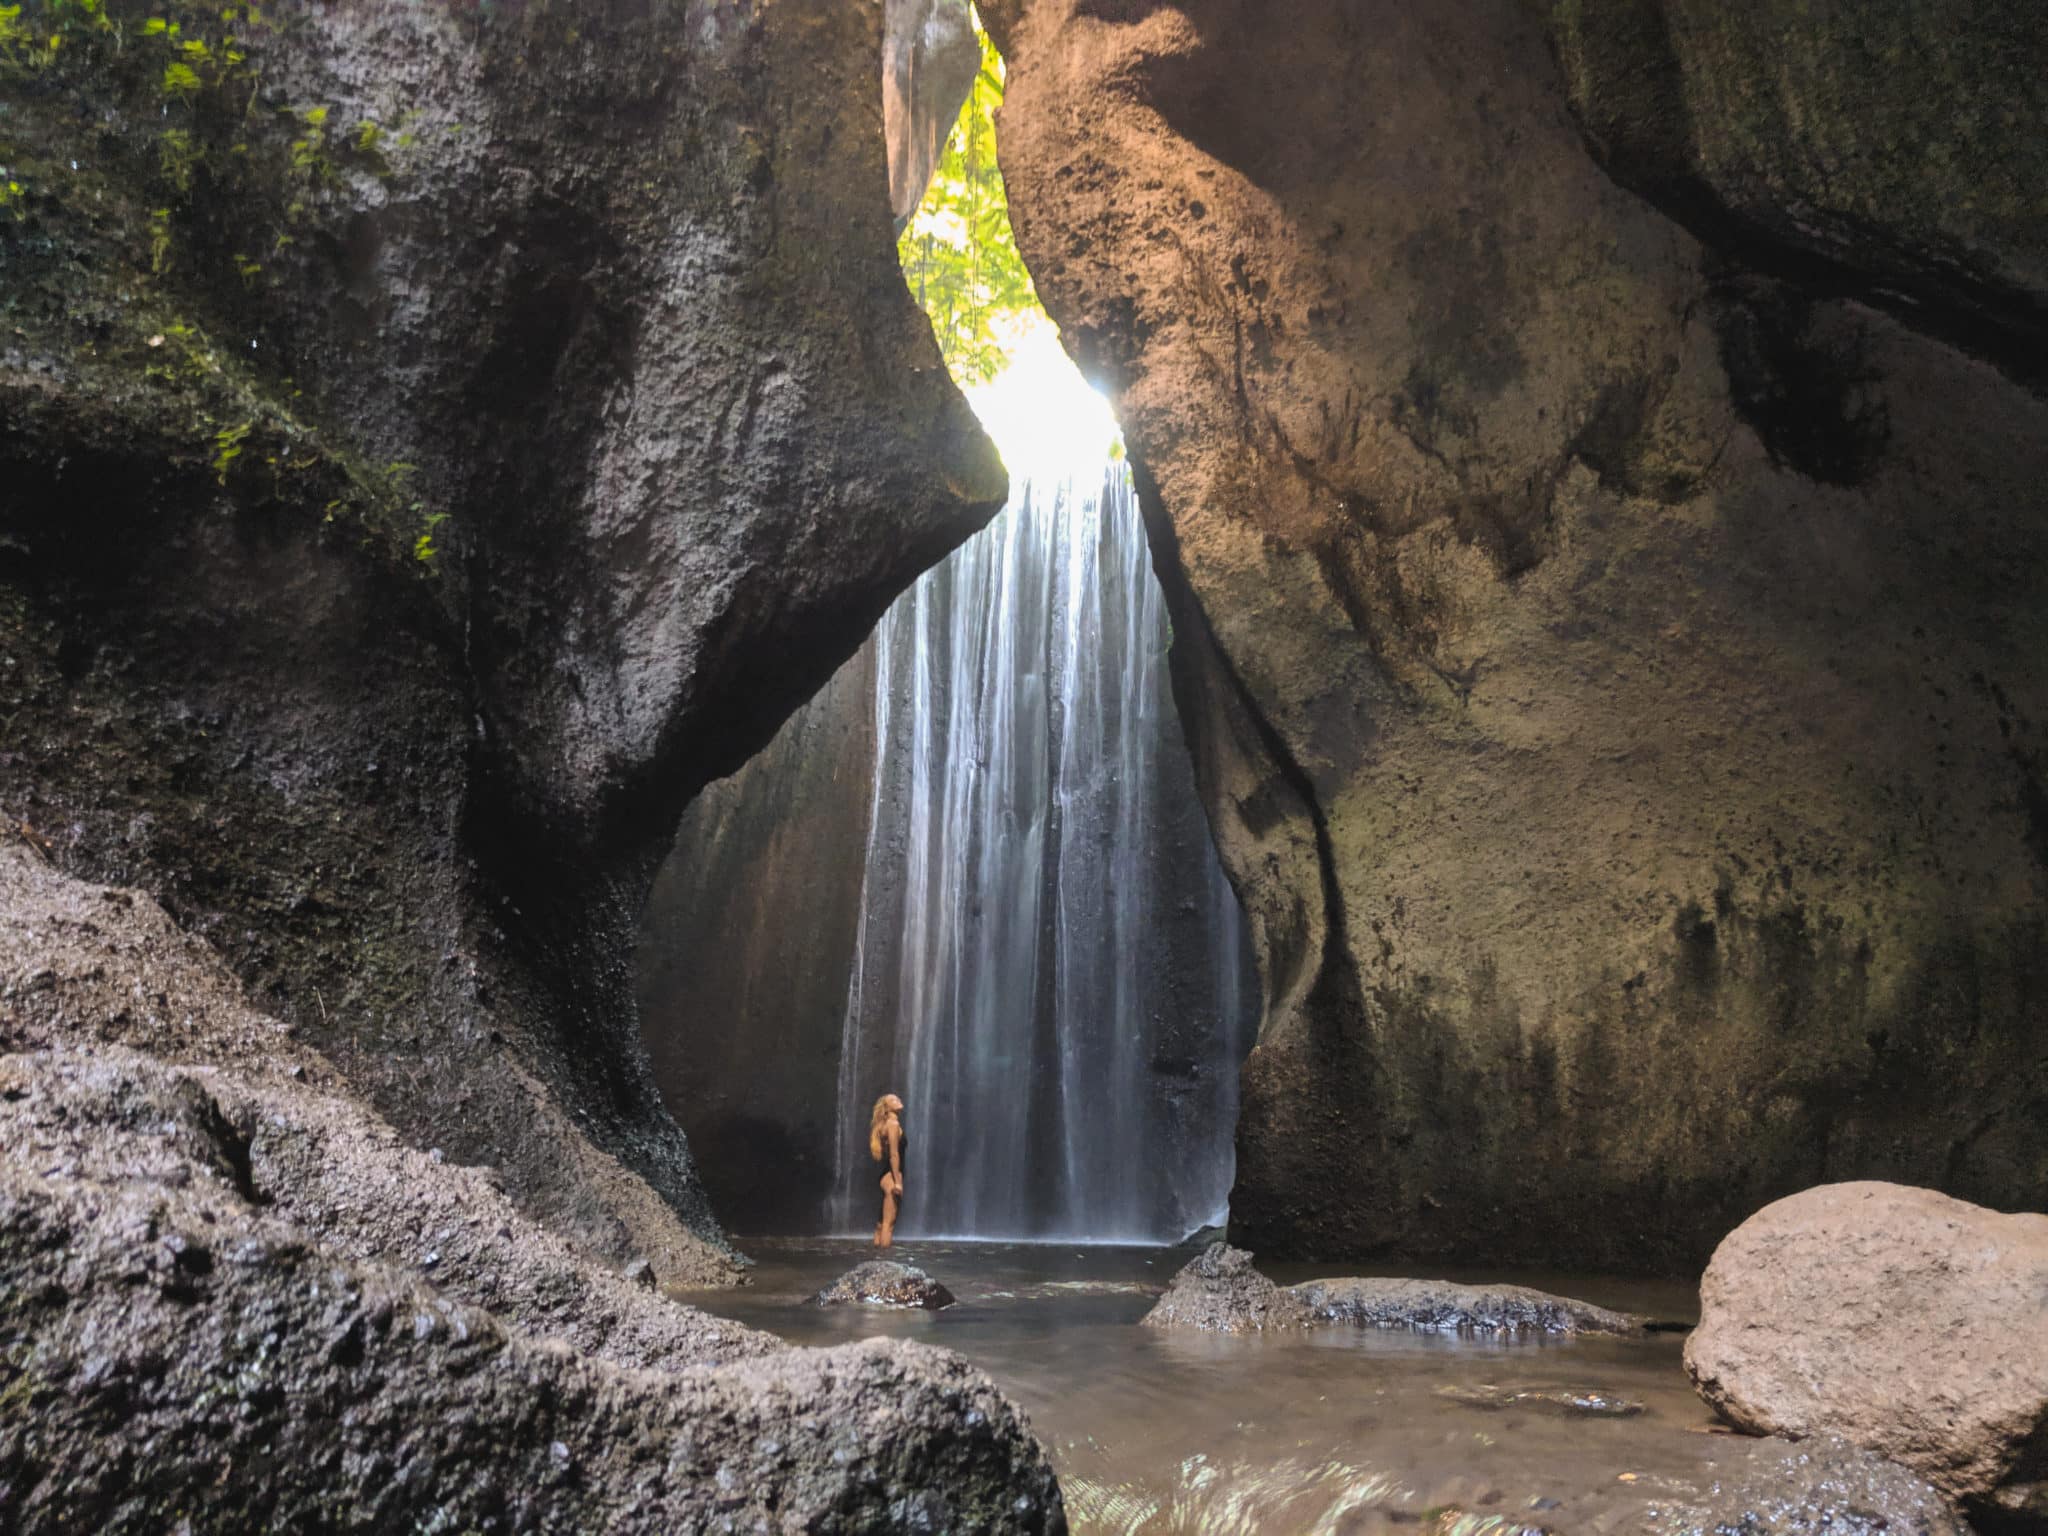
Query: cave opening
(973,869)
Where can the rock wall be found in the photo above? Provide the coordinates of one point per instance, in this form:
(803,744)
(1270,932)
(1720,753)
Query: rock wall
(1594,457)
(746,950)
(435,441)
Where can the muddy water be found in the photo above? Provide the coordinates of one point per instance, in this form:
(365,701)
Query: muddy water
(1338,1430)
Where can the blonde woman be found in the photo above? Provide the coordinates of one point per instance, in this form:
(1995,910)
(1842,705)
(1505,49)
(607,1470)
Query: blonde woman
(885,1140)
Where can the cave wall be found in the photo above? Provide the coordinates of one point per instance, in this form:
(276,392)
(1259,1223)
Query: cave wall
(473,434)
(746,950)
(1600,480)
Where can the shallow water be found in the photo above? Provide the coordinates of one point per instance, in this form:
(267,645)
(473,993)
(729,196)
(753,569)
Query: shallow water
(1338,1430)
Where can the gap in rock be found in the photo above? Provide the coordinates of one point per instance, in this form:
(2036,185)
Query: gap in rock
(973,870)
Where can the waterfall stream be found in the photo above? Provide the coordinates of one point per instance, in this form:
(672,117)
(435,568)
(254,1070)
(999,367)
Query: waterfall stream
(1051,968)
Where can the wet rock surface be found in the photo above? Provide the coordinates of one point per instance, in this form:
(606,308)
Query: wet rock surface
(885,1283)
(1823,1486)
(1902,1320)
(238,1299)
(566,459)
(1512,519)
(175,1361)
(1219,1290)
(1438,1306)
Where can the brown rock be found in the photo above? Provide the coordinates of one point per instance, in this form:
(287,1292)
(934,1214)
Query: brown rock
(1568,607)
(1910,1323)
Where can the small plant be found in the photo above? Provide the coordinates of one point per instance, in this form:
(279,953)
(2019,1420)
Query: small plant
(424,549)
(227,447)
(159,239)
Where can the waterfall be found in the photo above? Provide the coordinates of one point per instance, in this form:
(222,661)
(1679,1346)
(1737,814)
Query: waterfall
(1051,968)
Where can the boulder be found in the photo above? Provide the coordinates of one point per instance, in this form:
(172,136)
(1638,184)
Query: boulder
(1220,1291)
(1439,1306)
(178,1360)
(1819,1487)
(236,1300)
(885,1283)
(1908,1322)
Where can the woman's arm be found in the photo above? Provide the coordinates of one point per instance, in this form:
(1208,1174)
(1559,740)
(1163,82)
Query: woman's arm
(896,1154)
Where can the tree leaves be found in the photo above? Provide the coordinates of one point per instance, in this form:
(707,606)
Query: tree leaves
(958,253)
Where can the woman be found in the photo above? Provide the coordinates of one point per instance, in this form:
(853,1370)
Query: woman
(885,1139)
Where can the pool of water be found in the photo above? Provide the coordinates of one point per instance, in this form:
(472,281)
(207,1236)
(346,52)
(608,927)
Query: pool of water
(1337,1430)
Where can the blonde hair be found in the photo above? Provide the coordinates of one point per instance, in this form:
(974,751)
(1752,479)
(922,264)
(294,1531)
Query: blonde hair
(885,1106)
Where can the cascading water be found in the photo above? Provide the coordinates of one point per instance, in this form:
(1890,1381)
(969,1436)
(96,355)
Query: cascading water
(1050,967)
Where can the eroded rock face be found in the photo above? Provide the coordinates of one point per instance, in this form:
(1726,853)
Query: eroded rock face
(400,528)
(1615,669)
(885,1283)
(237,1300)
(1900,1319)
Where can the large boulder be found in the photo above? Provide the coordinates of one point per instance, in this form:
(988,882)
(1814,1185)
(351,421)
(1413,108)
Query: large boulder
(1610,633)
(175,1363)
(1903,1320)
(237,1301)
(436,441)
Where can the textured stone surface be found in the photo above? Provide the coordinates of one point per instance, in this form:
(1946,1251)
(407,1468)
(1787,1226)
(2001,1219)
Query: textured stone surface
(1908,1322)
(1219,1290)
(1891,148)
(1615,663)
(930,57)
(1438,1306)
(1819,1487)
(615,293)
(885,1283)
(235,1299)
(172,1364)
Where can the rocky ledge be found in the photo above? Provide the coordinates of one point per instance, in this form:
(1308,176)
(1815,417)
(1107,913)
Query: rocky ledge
(237,1300)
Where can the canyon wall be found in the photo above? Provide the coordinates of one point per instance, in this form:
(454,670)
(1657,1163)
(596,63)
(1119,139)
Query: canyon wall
(434,441)
(1597,458)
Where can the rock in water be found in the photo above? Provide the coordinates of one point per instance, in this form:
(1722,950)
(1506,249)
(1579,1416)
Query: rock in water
(1438,1306)
(1819,1487)
(885,1283)
(1219,1290)
(1910,1323)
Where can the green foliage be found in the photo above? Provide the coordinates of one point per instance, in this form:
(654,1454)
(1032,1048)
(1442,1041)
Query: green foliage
(958,253)
(227,447)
